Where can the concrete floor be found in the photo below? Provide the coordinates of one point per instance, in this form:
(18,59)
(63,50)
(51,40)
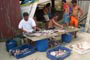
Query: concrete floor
(42,55)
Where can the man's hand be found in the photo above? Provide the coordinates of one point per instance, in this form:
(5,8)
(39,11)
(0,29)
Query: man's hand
(61,27)
(24,31)
(34,28)
(79,17)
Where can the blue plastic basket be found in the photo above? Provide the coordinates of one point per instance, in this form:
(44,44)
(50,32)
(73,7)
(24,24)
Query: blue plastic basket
(42,45)
(10,44)
(56,49)
(66,37)
(30,50)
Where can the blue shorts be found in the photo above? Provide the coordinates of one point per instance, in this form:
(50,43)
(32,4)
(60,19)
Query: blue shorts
(66,18)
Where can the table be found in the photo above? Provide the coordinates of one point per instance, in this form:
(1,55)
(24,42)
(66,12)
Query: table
(49,33)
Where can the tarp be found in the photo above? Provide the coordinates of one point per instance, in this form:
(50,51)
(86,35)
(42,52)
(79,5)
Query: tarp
(30,7)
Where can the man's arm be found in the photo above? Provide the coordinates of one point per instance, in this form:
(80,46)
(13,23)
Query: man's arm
(23,30)
(57,24)
(33,24)
(81,12)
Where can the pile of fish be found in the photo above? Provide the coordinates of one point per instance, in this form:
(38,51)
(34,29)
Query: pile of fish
(58,53)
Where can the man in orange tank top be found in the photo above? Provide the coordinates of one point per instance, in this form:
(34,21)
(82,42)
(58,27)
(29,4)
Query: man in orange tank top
(75,10)
(74,17)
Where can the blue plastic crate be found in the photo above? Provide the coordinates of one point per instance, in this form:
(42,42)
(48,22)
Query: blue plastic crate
(67,38)
(42,45)
(56,49)
(30,51)
(10,44)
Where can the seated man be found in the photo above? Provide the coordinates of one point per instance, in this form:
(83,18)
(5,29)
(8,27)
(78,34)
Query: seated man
(27,25)
(53,23)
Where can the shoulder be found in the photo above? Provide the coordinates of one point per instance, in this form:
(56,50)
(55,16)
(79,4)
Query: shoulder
(30,20)
(78,7)
(21,21)
(53,19)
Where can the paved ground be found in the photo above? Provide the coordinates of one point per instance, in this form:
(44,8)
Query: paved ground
(42,55)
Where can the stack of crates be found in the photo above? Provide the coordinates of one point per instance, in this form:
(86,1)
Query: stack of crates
(10,44)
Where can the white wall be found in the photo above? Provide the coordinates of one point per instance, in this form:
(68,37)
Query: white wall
(87,27)
(84,5)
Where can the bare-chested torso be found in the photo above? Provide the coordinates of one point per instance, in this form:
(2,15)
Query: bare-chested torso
(75,11)
(51,24)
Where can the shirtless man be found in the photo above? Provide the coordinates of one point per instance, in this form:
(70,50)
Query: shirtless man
(74,18)
(53,23)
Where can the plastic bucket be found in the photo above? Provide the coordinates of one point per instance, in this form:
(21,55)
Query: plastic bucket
(66,37)
(42,45)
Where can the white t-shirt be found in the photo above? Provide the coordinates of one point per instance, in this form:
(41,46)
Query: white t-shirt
(27,25)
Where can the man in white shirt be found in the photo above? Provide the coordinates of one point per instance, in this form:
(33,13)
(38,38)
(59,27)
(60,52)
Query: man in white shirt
(27,24)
